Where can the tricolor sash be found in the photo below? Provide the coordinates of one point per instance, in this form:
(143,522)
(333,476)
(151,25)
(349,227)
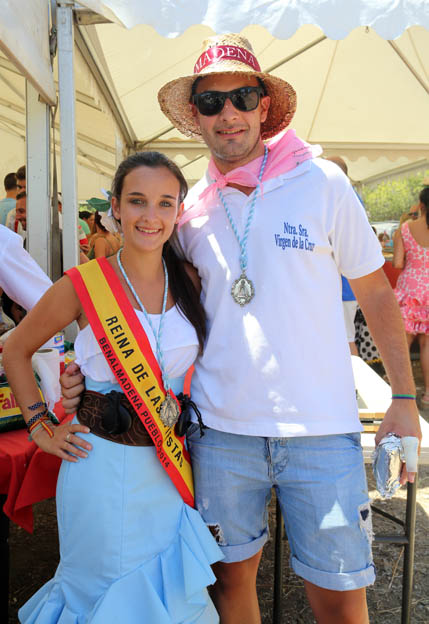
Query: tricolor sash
(127,350)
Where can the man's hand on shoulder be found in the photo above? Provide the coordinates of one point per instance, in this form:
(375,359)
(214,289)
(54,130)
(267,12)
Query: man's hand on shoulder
(72,387)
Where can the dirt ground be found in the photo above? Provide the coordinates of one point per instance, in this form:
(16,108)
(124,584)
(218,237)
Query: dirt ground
(35,557)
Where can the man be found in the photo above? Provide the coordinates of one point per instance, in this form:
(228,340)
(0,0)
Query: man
(21,209)
(8,203)
(21,181)
(275,384)
(20,216)
(21,187)
(414,212)
(86,220)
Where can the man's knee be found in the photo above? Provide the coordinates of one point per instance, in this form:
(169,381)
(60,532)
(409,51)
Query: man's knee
(239,573)
(330,607)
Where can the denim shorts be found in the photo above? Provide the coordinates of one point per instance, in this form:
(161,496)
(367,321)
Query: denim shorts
(321,485)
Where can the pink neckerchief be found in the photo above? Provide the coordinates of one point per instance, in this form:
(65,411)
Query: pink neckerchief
(285,152)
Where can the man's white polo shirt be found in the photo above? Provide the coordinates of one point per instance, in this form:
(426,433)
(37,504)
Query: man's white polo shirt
(280,366)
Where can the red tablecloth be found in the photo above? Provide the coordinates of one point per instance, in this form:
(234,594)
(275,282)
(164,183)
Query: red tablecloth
(27,474)
(391,272)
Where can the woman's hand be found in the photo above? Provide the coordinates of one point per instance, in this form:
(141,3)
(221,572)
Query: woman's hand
(64,443)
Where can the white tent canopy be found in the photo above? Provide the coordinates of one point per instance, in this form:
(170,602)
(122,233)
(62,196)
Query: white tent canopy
(337,18)
(364,97)
(96,130)
(24,40)
(360,69)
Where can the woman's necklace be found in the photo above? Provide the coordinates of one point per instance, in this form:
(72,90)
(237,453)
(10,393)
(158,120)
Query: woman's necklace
(169,411)
(242,290)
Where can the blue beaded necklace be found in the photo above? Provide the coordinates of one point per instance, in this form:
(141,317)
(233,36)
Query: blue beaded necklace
(243,290)
(169,409)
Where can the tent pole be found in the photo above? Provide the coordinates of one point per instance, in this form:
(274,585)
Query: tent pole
(408,65)
(68,131)
(37,174)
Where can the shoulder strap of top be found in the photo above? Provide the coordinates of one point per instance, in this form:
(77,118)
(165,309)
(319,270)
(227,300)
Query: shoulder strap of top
(406,234)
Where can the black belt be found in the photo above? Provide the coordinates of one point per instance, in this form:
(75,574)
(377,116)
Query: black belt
(112,417)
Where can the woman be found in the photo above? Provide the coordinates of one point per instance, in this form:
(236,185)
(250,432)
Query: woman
(131,549)
(411,253)
(102,243)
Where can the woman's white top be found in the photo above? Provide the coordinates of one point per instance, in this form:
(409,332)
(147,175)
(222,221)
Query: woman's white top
(179,345)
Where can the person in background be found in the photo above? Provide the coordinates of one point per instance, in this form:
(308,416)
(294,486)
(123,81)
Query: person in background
(350,305)
(87,218)
(20,225)
(21,187)
(21,179)
(384,239)
(85,227)
(102,242)
(83,240)
(414,212)
(411,253)
(8,203)
(405,216)
(12,309)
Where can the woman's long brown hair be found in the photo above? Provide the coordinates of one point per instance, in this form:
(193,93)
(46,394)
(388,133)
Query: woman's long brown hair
(183,291)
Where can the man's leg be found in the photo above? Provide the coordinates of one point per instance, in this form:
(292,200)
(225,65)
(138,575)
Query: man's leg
(232,489)
(234,593)
(337,607)
(321,484)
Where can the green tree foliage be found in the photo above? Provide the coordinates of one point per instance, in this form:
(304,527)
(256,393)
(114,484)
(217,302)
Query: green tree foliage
(388,200)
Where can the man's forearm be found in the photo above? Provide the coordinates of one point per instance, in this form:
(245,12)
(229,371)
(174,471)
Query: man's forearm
(385,323)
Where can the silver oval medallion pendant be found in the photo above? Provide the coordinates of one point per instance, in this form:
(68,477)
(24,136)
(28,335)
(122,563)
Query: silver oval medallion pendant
(242,290)
(169,412)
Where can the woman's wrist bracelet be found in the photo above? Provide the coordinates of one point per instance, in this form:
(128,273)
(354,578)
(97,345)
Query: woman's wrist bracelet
(34,419)
(41,425)
(35,406)
(41,416)
(413,397)
(47,428)
(36,428)
(37,422)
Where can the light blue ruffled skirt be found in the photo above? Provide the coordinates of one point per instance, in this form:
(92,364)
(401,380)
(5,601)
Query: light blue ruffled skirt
(131,551)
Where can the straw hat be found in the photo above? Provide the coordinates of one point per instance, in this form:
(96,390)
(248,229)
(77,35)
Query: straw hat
(227,54)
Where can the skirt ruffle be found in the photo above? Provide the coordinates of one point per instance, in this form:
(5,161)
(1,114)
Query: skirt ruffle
(131,550)
(414,312)
(168,589)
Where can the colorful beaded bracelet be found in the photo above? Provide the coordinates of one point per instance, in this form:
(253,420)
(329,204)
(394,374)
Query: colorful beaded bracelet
(41,425)
(44,418)
(36,418)
(35,406)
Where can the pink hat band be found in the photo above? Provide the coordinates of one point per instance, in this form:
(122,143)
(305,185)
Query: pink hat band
(223,52)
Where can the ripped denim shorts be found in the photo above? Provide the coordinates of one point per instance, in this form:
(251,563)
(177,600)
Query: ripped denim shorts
(321,485)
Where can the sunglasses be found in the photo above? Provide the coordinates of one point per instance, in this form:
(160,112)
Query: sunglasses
(211,103)
(414,215)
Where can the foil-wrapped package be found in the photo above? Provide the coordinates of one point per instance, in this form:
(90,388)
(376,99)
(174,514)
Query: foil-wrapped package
(386,465)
